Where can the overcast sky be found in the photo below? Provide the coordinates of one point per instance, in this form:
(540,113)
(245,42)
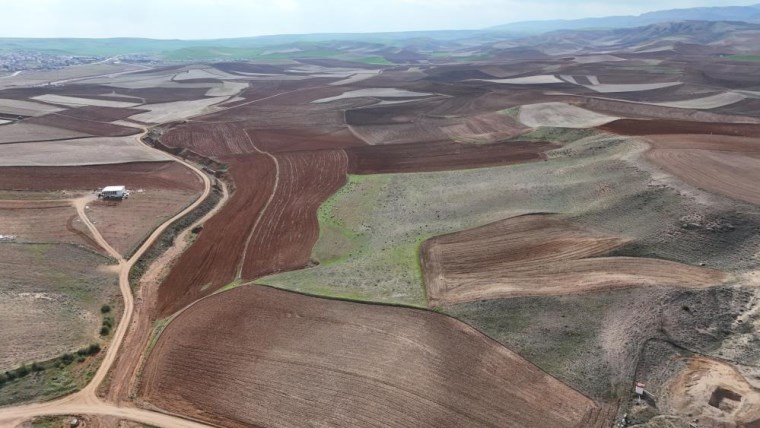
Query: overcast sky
(206,19)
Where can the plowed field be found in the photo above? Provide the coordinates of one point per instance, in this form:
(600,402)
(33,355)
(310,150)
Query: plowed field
(255,356)
(541,255)
(268,225)
(662,126)
(215,258)
(284,235)
(727,166)
(147,175)
(440,156)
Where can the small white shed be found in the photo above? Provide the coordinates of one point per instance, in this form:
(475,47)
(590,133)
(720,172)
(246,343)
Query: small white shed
(119,192)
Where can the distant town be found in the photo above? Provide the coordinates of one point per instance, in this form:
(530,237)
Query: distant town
(29,60)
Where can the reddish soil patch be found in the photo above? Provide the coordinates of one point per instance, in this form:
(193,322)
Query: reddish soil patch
(86,126)
(659,126)
(536,255)
(215,257)
(44,222)
(101,114)
(268,225)
(284,236)
(440,156)
(288,140)
(727,166)
(146,175)
(255,356)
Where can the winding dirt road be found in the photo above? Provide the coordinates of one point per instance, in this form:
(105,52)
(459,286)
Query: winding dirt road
(86,401)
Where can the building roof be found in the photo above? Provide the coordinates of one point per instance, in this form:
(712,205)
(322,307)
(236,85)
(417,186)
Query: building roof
(114,188)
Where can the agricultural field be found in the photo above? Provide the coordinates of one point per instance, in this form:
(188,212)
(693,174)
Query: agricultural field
(295,357)
(492,235)
(56,308)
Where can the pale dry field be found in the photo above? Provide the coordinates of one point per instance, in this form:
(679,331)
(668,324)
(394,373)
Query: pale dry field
(78,102)
(178,110)
(543,79)
(24,132)
(608,88)
(86,151)
(375,92)
(50,298)
(26,108)
(561,115)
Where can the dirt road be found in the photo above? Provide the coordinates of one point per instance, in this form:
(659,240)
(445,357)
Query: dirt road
(86,401)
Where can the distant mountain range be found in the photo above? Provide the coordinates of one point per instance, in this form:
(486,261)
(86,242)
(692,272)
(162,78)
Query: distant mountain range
(731,30)
(722,13)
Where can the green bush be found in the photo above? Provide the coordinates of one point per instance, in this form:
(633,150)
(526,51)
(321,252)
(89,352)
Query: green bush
(105,309)
(67,358)
(104,330)
(93,349)
(37,367)
(22,371)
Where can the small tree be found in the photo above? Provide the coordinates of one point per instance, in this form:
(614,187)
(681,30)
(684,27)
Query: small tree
(93,349)
(67,358)
(104,330)
(105,309)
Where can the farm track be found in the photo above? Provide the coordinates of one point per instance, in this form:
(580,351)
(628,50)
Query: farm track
(86,401)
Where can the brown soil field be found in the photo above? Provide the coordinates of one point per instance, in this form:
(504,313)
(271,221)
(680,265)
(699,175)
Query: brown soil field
(440,156)
(101,114)
(284,235)
(44,222)
(288,140)
(214,259)
(727,166)
(268,225)
(210,139)
(85,126)
(255,356)
(535,255)
(125,224)
(146,175)
(659,127)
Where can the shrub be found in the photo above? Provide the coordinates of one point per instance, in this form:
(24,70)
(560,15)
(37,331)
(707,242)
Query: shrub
(10,375)
(104,330)
(37,367)
(93,349)
(105,309)
(67,358)
(108,322)
(22,371)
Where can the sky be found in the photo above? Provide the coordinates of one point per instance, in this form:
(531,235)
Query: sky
(209,19)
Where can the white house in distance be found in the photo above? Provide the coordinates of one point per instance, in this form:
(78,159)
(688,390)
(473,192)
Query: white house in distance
(114,192)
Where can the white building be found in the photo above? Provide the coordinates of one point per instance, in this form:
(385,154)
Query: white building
(117,192)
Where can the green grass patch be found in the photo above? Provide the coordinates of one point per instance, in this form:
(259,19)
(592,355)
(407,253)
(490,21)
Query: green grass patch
(377,60)
(748,58)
